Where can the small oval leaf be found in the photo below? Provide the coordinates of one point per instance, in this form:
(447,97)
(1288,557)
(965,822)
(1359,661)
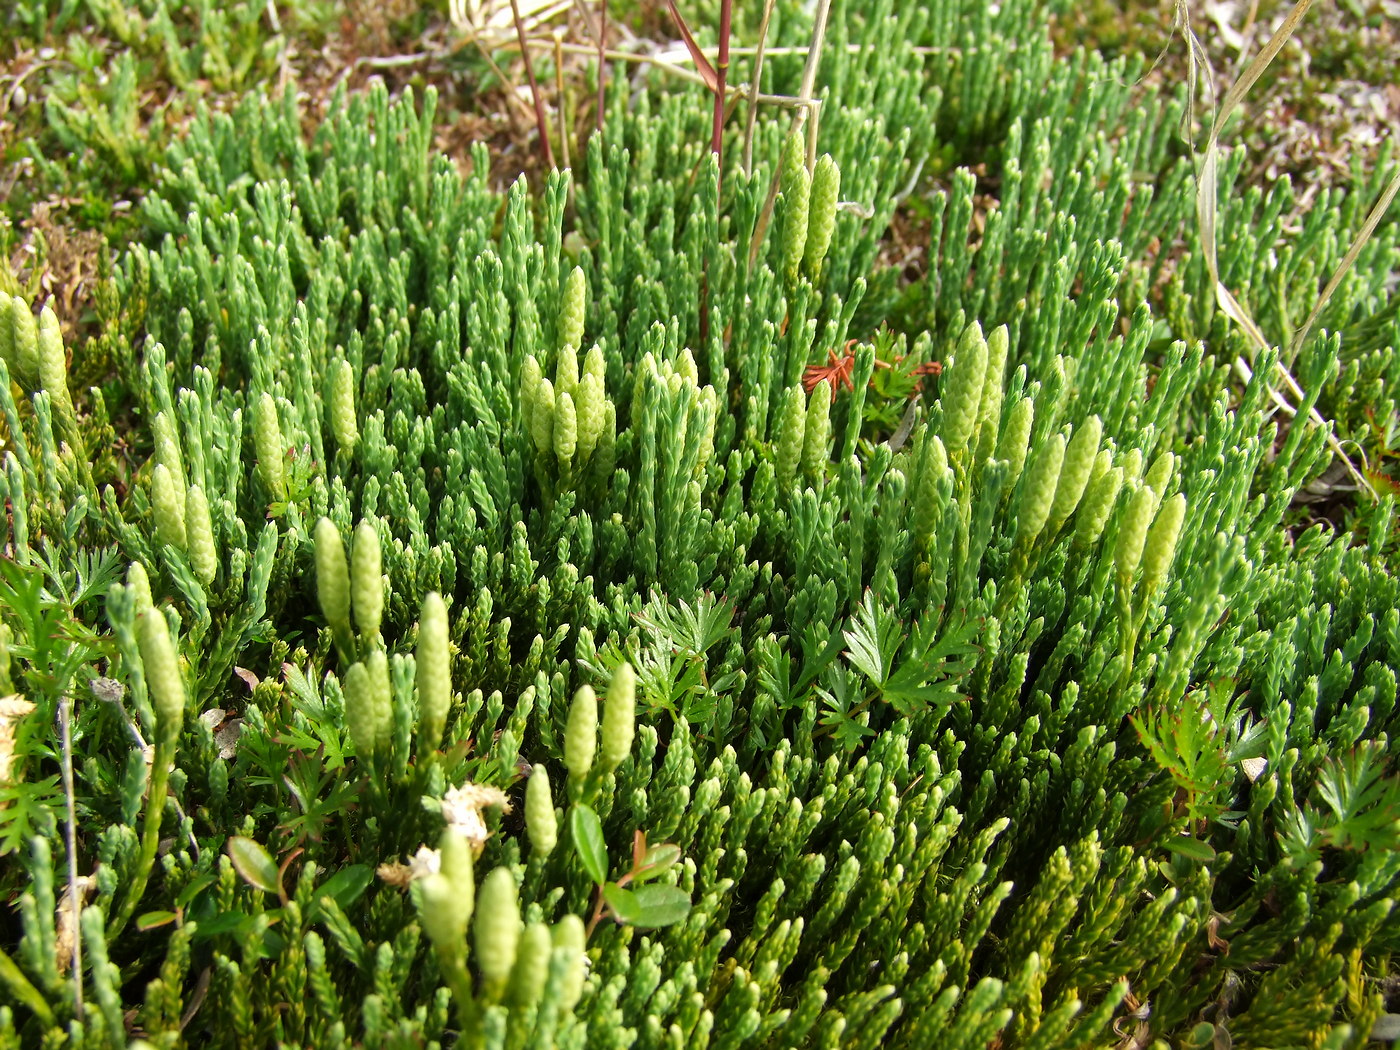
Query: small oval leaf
(1191,849)
(193,889)
(152,919)
(587,830)
(660,906)
(347,884)
(623,904)
(225,922)
(658,860)
(254,863)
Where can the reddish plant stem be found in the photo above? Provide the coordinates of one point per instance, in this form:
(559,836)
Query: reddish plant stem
(540,121)
(726,17)
(726,12)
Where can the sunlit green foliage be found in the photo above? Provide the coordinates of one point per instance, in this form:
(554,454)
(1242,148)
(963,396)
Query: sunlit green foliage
(1004,700)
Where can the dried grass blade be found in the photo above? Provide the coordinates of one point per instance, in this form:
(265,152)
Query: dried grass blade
(1362,236)
(1255,69)
(1197,68)
(702,64)
(754,87)
(541,123)
(70,831)
(1207,183)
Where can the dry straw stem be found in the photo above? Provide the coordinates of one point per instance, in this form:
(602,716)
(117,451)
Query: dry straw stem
(602,34)
(70,835)
(809,81)
(1206,192)
(667,65)
(805,104)
(563,106)
(753,87)
(540,120)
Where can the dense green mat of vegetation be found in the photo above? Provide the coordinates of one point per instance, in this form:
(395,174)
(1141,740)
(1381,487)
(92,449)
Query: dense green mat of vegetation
(875,598)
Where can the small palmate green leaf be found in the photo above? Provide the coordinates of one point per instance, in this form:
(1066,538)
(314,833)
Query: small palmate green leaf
(588,840)
(842,700)
(873,639)
(932,664)
(254,863)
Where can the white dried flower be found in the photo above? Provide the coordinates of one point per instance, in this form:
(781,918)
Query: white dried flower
(462,808)
(427,861)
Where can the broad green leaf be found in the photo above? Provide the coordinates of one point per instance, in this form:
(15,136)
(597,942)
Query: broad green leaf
(224,922)
(588,841)
(196,886)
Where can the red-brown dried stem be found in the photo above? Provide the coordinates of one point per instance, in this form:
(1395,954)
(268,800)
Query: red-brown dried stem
(540,121)
(726,12)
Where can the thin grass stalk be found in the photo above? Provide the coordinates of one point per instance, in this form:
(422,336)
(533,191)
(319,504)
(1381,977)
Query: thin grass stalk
(805,103)
(666,66)
(757,79)
(1206,192)
(563,102)
(614,55)
(602,68)
(70,833)
(1387,197)
(809,77)
(540,121)
(1247,33)
(513,100)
